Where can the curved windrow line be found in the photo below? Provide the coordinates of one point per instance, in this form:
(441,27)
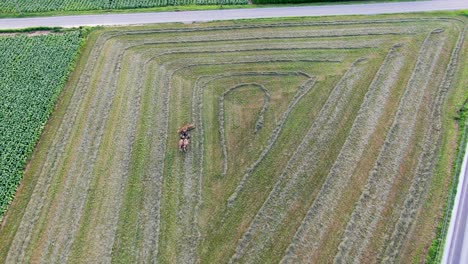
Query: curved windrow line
(282,195)
(154,210)
(197,109)
(303,90)
(314,225)
(258,124)
(197,103)
(156,225)
(426,161)
(371,203)
(150,248)
(221,114)
(26,234)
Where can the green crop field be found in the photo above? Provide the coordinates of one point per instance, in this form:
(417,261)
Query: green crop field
(317,140)
(37,6)
(33,72)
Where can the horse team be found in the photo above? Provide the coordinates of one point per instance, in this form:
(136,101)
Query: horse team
(184,136)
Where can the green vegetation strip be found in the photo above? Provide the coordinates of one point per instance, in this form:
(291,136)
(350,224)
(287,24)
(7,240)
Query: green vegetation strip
(35,6)
(34,71)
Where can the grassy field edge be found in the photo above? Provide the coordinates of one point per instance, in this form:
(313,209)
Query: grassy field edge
(27,182)
(435,251)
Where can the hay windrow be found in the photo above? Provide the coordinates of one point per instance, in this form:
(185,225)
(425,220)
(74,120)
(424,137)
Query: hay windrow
(371,202)
(364,126)
(426,161)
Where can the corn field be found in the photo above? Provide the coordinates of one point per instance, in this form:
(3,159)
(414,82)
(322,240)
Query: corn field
(37,6)
(34,71)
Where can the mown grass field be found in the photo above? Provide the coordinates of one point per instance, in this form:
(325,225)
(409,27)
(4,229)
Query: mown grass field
(317,140)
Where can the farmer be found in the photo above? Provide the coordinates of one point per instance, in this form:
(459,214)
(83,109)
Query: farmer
(184,134)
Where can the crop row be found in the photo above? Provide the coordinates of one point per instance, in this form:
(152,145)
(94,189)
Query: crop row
(71,202)
(32,6)
(34,70)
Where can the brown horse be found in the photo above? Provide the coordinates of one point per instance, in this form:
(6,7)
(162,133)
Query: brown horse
(183,144)
(186,127)
(184,136)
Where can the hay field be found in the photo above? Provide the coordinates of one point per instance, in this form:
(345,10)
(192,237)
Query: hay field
(317,140)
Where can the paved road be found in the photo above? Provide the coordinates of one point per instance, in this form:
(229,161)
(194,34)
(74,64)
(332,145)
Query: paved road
(208,15)
(456,245)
